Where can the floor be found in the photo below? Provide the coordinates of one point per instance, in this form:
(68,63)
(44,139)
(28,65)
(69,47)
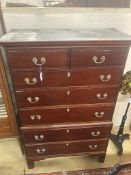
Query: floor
(12,162)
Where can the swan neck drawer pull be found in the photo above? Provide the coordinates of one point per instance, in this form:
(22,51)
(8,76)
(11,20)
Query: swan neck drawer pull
(95,134)
(42,61)
(101,97)
(41,137)
(36,99)
(31,81)
(33,117)
(41,151)
(93,146)
(99,114)
(105,78)
(102,60)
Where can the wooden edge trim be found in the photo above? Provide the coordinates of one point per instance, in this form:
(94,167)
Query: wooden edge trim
(7,98)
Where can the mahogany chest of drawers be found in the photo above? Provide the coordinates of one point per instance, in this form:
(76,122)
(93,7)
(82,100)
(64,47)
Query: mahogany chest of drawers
(64,86)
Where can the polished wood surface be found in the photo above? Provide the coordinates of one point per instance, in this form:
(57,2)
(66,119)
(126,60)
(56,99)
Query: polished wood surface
(5,128)
(40,135)
(65,86)
(54,58)
(7,122)
(66,96)
(83,57)
(8,127)
(63,78)
(66,114)
(63,148)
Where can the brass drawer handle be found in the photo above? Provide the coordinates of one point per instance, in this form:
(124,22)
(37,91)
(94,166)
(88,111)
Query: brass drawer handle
(41,151)
(31,81)
(93,146)
(105,78)
(42,60)
(102,60)
(41,137)
(36,99)
(101,97)
(95,134)
(33,117)
(99,114)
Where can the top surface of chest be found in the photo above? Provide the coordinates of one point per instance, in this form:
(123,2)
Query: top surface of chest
(65,35)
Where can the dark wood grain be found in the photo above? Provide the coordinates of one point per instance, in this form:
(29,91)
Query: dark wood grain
(39,135)
(71,103)
(54,58)
(59,96)
(76,77)
(66,148)
(8,126)
(83,57)
(66,114)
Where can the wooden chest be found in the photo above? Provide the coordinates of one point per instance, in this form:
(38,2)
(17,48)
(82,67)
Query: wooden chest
(64,86)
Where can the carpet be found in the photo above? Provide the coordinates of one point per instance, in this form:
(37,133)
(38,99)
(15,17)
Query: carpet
(100,171)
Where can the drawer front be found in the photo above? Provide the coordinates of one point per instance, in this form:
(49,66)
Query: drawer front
(66,114)
(46,58)
(79,77)
(65,96)
(97,56)
(67,134)
(66,148)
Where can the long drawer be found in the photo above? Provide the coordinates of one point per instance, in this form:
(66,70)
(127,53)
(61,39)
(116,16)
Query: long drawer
(78,77)
(34,58)
(65,96)
(66,133)
(66,114)
(98,56)
(63,148)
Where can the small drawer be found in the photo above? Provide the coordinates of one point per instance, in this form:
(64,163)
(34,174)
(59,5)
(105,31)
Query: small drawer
(66,96)
(70,133)
(50,78)
(77,147)
(98,56)
(66,114)
(96,76)
(77,77)
(36,58)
